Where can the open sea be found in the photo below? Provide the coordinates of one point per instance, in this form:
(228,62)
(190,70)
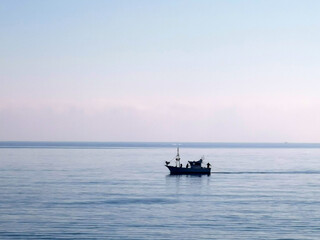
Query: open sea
(64,190)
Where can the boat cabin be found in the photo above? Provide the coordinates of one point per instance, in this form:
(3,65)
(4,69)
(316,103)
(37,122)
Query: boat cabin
(195,164)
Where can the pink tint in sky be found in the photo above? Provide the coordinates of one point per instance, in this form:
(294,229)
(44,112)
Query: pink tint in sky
(231,71)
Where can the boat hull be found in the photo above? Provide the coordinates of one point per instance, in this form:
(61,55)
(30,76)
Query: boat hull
(194,171)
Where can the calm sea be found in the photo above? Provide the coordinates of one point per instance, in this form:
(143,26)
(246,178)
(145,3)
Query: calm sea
(123,191)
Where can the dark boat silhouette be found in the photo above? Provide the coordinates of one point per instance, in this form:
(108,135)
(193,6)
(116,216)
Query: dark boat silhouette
(193,167)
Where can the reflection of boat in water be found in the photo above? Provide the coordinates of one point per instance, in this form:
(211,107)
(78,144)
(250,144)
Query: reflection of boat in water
(192,167)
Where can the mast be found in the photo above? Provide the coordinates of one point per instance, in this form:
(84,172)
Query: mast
(178,158)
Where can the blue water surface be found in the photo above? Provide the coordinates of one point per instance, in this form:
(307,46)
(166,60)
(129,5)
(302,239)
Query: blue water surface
(125,192)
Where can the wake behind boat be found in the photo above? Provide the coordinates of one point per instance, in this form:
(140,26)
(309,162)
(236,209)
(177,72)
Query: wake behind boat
(192,167)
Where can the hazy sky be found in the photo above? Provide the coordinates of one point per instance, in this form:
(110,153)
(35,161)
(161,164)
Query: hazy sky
(222,71)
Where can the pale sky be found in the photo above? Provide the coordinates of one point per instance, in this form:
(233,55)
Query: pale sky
(204,71)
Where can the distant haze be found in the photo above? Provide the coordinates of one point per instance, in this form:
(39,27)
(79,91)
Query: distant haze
(208,71)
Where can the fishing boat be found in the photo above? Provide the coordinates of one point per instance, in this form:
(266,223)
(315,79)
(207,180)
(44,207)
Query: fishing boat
(192,167)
